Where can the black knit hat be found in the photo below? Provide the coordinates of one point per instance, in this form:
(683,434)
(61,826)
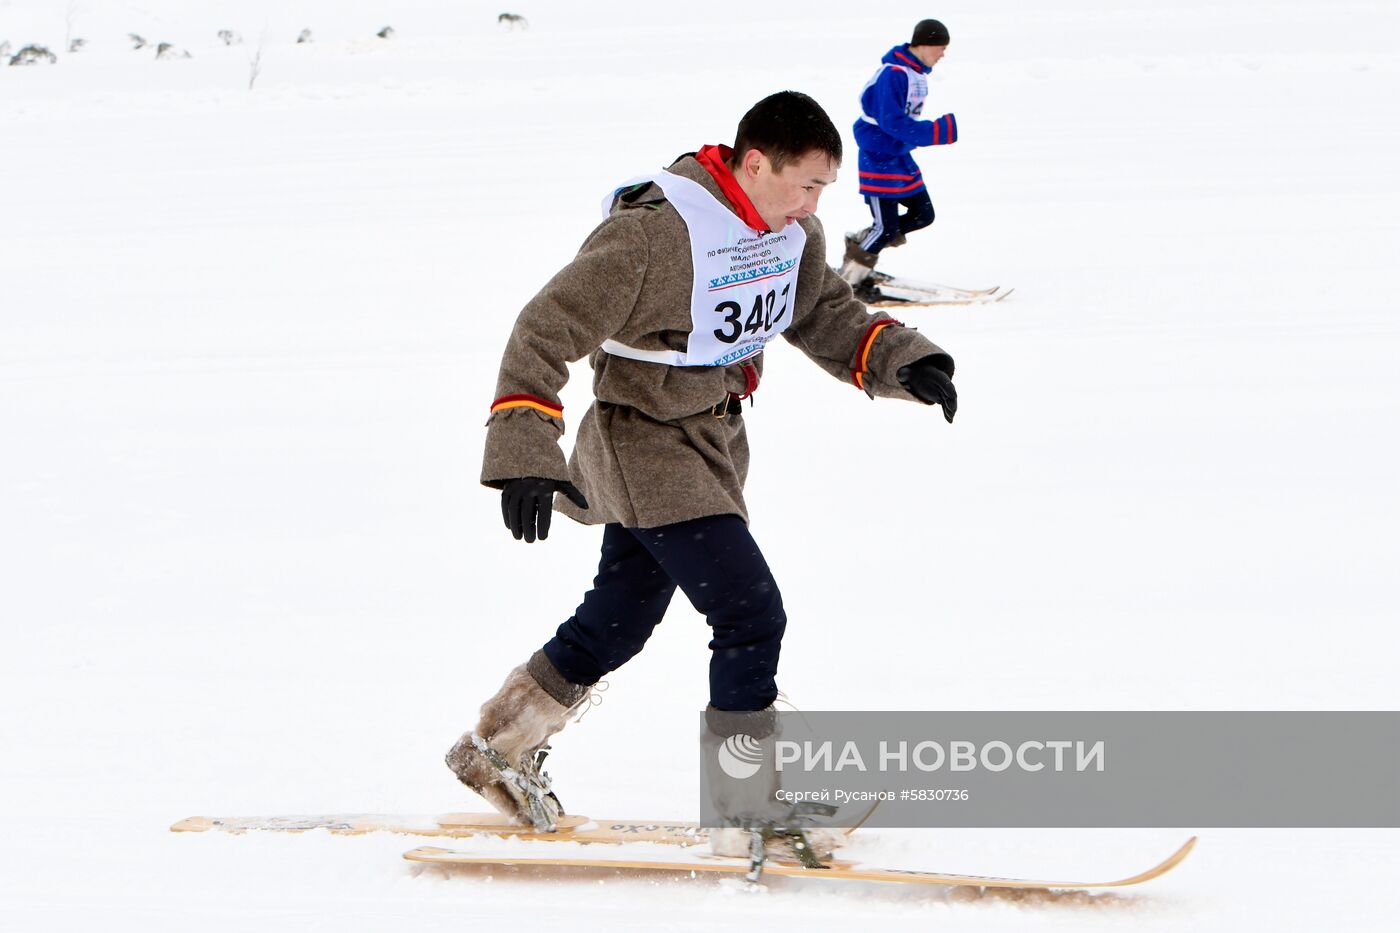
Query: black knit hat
(930,32)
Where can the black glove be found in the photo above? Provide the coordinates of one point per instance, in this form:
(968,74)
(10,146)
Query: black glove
(927,380)
(528,504)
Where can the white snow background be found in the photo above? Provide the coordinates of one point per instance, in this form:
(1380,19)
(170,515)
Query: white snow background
(248,340)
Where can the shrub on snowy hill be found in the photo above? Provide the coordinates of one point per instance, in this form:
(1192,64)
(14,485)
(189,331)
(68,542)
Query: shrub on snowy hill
(386,33)
(255,66)
(137,42)
(76,45)
(229,37)
(34,55)
(305,37)
(165,52)
(4,48)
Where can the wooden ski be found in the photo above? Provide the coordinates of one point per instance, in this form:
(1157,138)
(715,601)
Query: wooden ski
(837,870)
(457,825)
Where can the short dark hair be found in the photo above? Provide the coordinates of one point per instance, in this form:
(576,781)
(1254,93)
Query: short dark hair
(785,127)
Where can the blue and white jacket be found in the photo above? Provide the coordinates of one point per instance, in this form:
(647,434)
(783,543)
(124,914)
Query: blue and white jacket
(890,126)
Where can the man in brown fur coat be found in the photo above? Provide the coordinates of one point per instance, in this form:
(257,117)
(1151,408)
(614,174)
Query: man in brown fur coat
(673,297)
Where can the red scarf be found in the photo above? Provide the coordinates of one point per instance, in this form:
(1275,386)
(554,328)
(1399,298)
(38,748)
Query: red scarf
(716,159)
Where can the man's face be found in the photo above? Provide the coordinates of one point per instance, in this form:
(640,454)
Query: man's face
(791,193)
(928,54)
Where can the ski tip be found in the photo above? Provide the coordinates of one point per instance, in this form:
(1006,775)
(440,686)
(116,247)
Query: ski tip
(1171,861)
(1184,851)
(426,853)
(193,824)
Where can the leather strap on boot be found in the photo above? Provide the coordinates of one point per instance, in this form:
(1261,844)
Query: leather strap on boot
(788,831)
(564,691)
(530,784)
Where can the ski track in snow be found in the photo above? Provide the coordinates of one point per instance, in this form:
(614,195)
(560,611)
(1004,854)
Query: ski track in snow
(248,339)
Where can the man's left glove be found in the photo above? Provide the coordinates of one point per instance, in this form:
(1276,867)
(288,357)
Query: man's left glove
(929,382)
(527,505)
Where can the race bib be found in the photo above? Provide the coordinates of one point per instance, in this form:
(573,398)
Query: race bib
(745,282)
(914,97)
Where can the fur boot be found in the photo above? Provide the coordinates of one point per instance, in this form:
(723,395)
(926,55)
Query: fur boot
(752,802)
(500,758)
(858,263)
(738,843)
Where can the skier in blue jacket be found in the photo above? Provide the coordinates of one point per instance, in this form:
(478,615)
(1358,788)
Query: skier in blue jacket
(889,129)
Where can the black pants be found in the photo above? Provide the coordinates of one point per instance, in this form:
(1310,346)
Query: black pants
(889,224)
(719,567)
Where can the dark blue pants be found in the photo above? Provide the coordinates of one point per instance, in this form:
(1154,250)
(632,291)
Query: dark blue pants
(889,224)
(716,563)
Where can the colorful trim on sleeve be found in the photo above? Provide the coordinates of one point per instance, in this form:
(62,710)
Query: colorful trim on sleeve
(527,401)
(863,351)
(945,130)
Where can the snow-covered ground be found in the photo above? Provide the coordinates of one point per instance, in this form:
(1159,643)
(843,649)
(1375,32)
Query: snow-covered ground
(248,340)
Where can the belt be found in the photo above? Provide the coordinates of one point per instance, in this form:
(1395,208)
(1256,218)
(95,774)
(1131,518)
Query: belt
(730,406)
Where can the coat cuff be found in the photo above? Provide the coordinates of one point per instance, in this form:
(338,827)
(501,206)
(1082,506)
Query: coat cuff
(521,441)
(890,347)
